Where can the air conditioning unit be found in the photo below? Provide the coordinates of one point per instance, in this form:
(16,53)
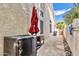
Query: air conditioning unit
(20,45)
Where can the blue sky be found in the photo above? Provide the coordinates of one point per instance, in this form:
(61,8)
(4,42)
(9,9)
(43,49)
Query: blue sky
(60,9)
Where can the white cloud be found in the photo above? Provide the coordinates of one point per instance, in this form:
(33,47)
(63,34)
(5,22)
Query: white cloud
(60,12)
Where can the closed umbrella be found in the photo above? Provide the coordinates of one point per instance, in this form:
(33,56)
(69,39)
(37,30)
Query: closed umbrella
(34,22)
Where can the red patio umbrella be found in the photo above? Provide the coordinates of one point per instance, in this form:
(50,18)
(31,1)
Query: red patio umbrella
(34,22)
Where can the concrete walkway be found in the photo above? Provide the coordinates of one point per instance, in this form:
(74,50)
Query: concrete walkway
(53,46)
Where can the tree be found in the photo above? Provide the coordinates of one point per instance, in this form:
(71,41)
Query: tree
(60,25)
(72,14)
(68,19)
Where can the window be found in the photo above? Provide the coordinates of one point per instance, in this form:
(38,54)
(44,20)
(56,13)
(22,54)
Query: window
(41,27)
(50,21)
(50,28)
(41,13)
(42,5)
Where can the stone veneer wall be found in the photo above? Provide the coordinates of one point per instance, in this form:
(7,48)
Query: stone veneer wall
(73,40)
(76,37)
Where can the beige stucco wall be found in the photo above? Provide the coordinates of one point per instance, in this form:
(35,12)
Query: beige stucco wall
(14,20)
(48,16)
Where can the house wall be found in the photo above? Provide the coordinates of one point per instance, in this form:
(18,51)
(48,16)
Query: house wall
(14,20)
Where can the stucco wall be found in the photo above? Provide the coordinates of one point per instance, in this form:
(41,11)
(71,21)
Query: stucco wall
(13,21)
